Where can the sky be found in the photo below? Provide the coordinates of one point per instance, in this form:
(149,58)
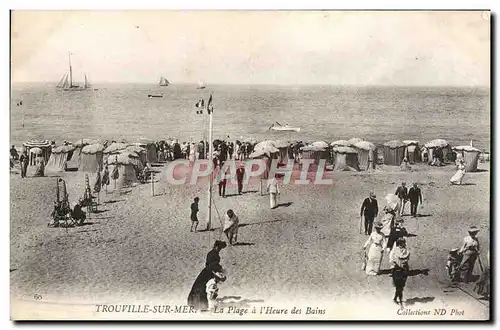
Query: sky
(259,47)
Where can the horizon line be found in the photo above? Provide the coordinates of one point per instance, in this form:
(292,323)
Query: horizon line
(256,84)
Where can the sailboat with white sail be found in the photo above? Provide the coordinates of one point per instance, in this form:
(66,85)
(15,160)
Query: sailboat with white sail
(201,85)
(164,81)
(66,82)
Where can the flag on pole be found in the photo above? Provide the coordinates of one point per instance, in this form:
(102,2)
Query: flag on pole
(210,107)
(200,104)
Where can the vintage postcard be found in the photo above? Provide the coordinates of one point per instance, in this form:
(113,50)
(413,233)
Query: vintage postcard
(250,165)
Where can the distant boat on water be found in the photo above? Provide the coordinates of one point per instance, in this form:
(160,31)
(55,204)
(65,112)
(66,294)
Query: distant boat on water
(163,81)
(154,95)
(286,127)
(201,85)
(66,82)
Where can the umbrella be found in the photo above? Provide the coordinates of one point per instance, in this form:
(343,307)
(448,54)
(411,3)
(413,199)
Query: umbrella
(437,143)
(353,141)
(281,144)
(365,145)
(393,202)
(320,145)
(342,143)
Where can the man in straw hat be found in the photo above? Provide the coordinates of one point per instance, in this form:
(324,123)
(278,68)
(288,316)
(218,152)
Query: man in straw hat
(470,252)
(369,209)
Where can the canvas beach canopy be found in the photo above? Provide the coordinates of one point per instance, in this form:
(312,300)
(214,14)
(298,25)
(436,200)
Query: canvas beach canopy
(470,156)
(345,159)
(91,158)
(439,143)
(59,158)
(341,143)
(140,151)
(125,164)
(412,152)
(354,140)
(284,150)
(367,153)
(115,148)
(317,150)
(44,145)
(394,152)
(150,146)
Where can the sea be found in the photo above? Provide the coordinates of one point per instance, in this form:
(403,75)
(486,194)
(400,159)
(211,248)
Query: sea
(323,113)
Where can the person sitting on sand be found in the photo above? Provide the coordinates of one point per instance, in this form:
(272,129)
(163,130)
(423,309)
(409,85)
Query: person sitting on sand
(405,166)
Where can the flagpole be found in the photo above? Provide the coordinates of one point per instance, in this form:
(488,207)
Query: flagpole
(209,221)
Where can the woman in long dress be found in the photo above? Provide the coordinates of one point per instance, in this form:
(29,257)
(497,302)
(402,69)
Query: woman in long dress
(459,175)
(375,245)
(197,297)
(469,251)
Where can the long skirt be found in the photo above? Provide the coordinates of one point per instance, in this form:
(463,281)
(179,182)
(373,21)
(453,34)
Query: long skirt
(197,297)
(272,200)
(483,284)
(457,177)
(374,256)
(467,265)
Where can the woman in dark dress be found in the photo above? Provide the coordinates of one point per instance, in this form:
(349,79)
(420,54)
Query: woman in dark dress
(399,257)
(198,295)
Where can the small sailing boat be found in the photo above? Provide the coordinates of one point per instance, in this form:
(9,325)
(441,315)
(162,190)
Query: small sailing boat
(286,127)
(66,82)
(163,81)
(201,85)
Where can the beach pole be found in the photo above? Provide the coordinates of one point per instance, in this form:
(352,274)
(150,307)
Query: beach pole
(152,184)
(210,147)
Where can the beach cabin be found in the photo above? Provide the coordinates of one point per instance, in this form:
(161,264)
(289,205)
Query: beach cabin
(317,150)
(470,155)
(125,164)
(353,141)
(151,152)
(367,153)
(338,143)
(114,149)
(394,152)
(346,159)
(91,158)
(439,143)
(412,151)
(38,148)
(140,151)
(134,159)
(59,158)
(284,148)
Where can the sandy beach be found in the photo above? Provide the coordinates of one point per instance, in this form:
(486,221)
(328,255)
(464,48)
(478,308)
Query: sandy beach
(306,253)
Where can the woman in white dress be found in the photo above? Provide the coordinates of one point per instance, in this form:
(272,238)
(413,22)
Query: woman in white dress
(459,175)
(375,245)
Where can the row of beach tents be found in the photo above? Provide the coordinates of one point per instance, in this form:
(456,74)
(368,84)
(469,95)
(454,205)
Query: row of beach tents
(345,155)
(359,155)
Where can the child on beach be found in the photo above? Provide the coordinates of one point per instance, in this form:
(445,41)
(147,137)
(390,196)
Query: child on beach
(194,214)
(452,265)
(213,289)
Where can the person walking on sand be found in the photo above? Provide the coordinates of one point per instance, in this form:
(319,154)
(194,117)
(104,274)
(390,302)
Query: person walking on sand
(240,174)
(374,249)
(399,258)
(194,214)
(397,232)
(415,196)
(470,252)
(231,224)
(459,175)
(402,193)
(369,209)
(273,189)
(222,185)
(23,161)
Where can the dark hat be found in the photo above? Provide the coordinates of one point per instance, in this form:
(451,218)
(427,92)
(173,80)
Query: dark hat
(372,195)
(220,244)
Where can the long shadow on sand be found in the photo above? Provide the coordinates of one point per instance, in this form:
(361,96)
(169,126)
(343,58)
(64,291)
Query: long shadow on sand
(243,244)
(258,223)
(478,171)
(411,272)
(99,211)
(467,184)
(284,204)
(114,201)
(421,300)
(237,302)
(424,215)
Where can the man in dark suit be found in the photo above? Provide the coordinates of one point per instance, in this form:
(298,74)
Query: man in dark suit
(369,209)
(415,196)
(240,173)
(402,193)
